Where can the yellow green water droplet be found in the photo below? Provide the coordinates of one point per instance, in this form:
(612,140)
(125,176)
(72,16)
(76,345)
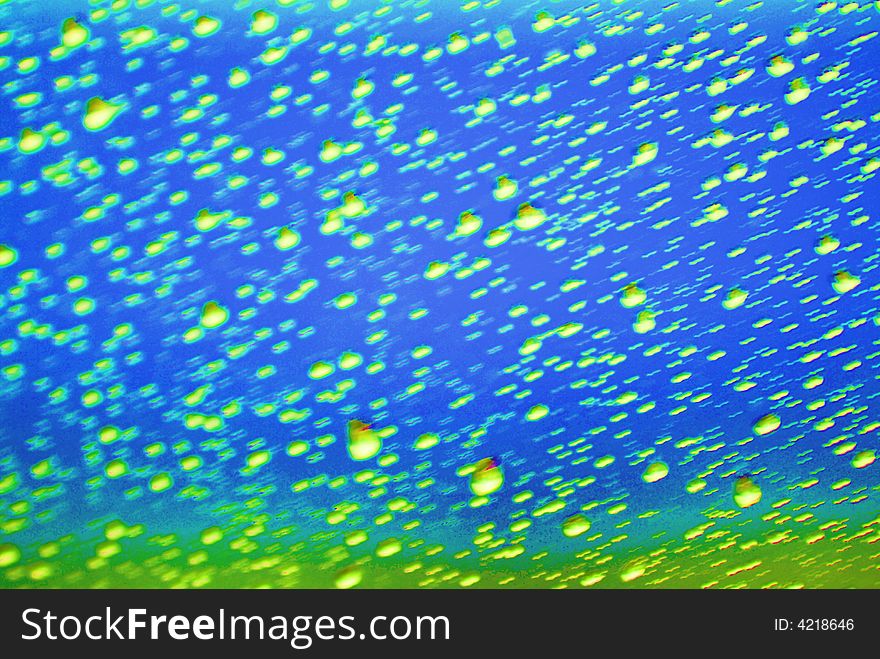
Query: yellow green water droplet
(100,113)
(205,26)
(799,90)
(468,224)
(655,471)
(486,478)
(73,34)
(528,217)
(108,434)
(827,244)
(632,572)
(116,469)
(745,492)
(537,412)
(632,296)
(258,459)
(644,322)
(844,282)
(349,577)
(505,188)
(350,360)
(388,547)
(735,298)
(779,66)
(645,154)
(161,482)
(8,256)
(362,88)
(287,239)
(320,370)
(213,315)
(497,237)
(426,441)
(9,555)
(31,141)
(263,22)
(436,269)
(484,107)
(575,525)
(363,442)
(330,151)
(767,424)
(297,448)
(211,536)
(238,77)
(863,459)
(696,485)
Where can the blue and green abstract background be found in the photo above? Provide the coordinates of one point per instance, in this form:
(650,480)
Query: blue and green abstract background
(428,294)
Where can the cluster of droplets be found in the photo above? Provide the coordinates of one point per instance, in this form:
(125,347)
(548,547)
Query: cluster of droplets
(665,255)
